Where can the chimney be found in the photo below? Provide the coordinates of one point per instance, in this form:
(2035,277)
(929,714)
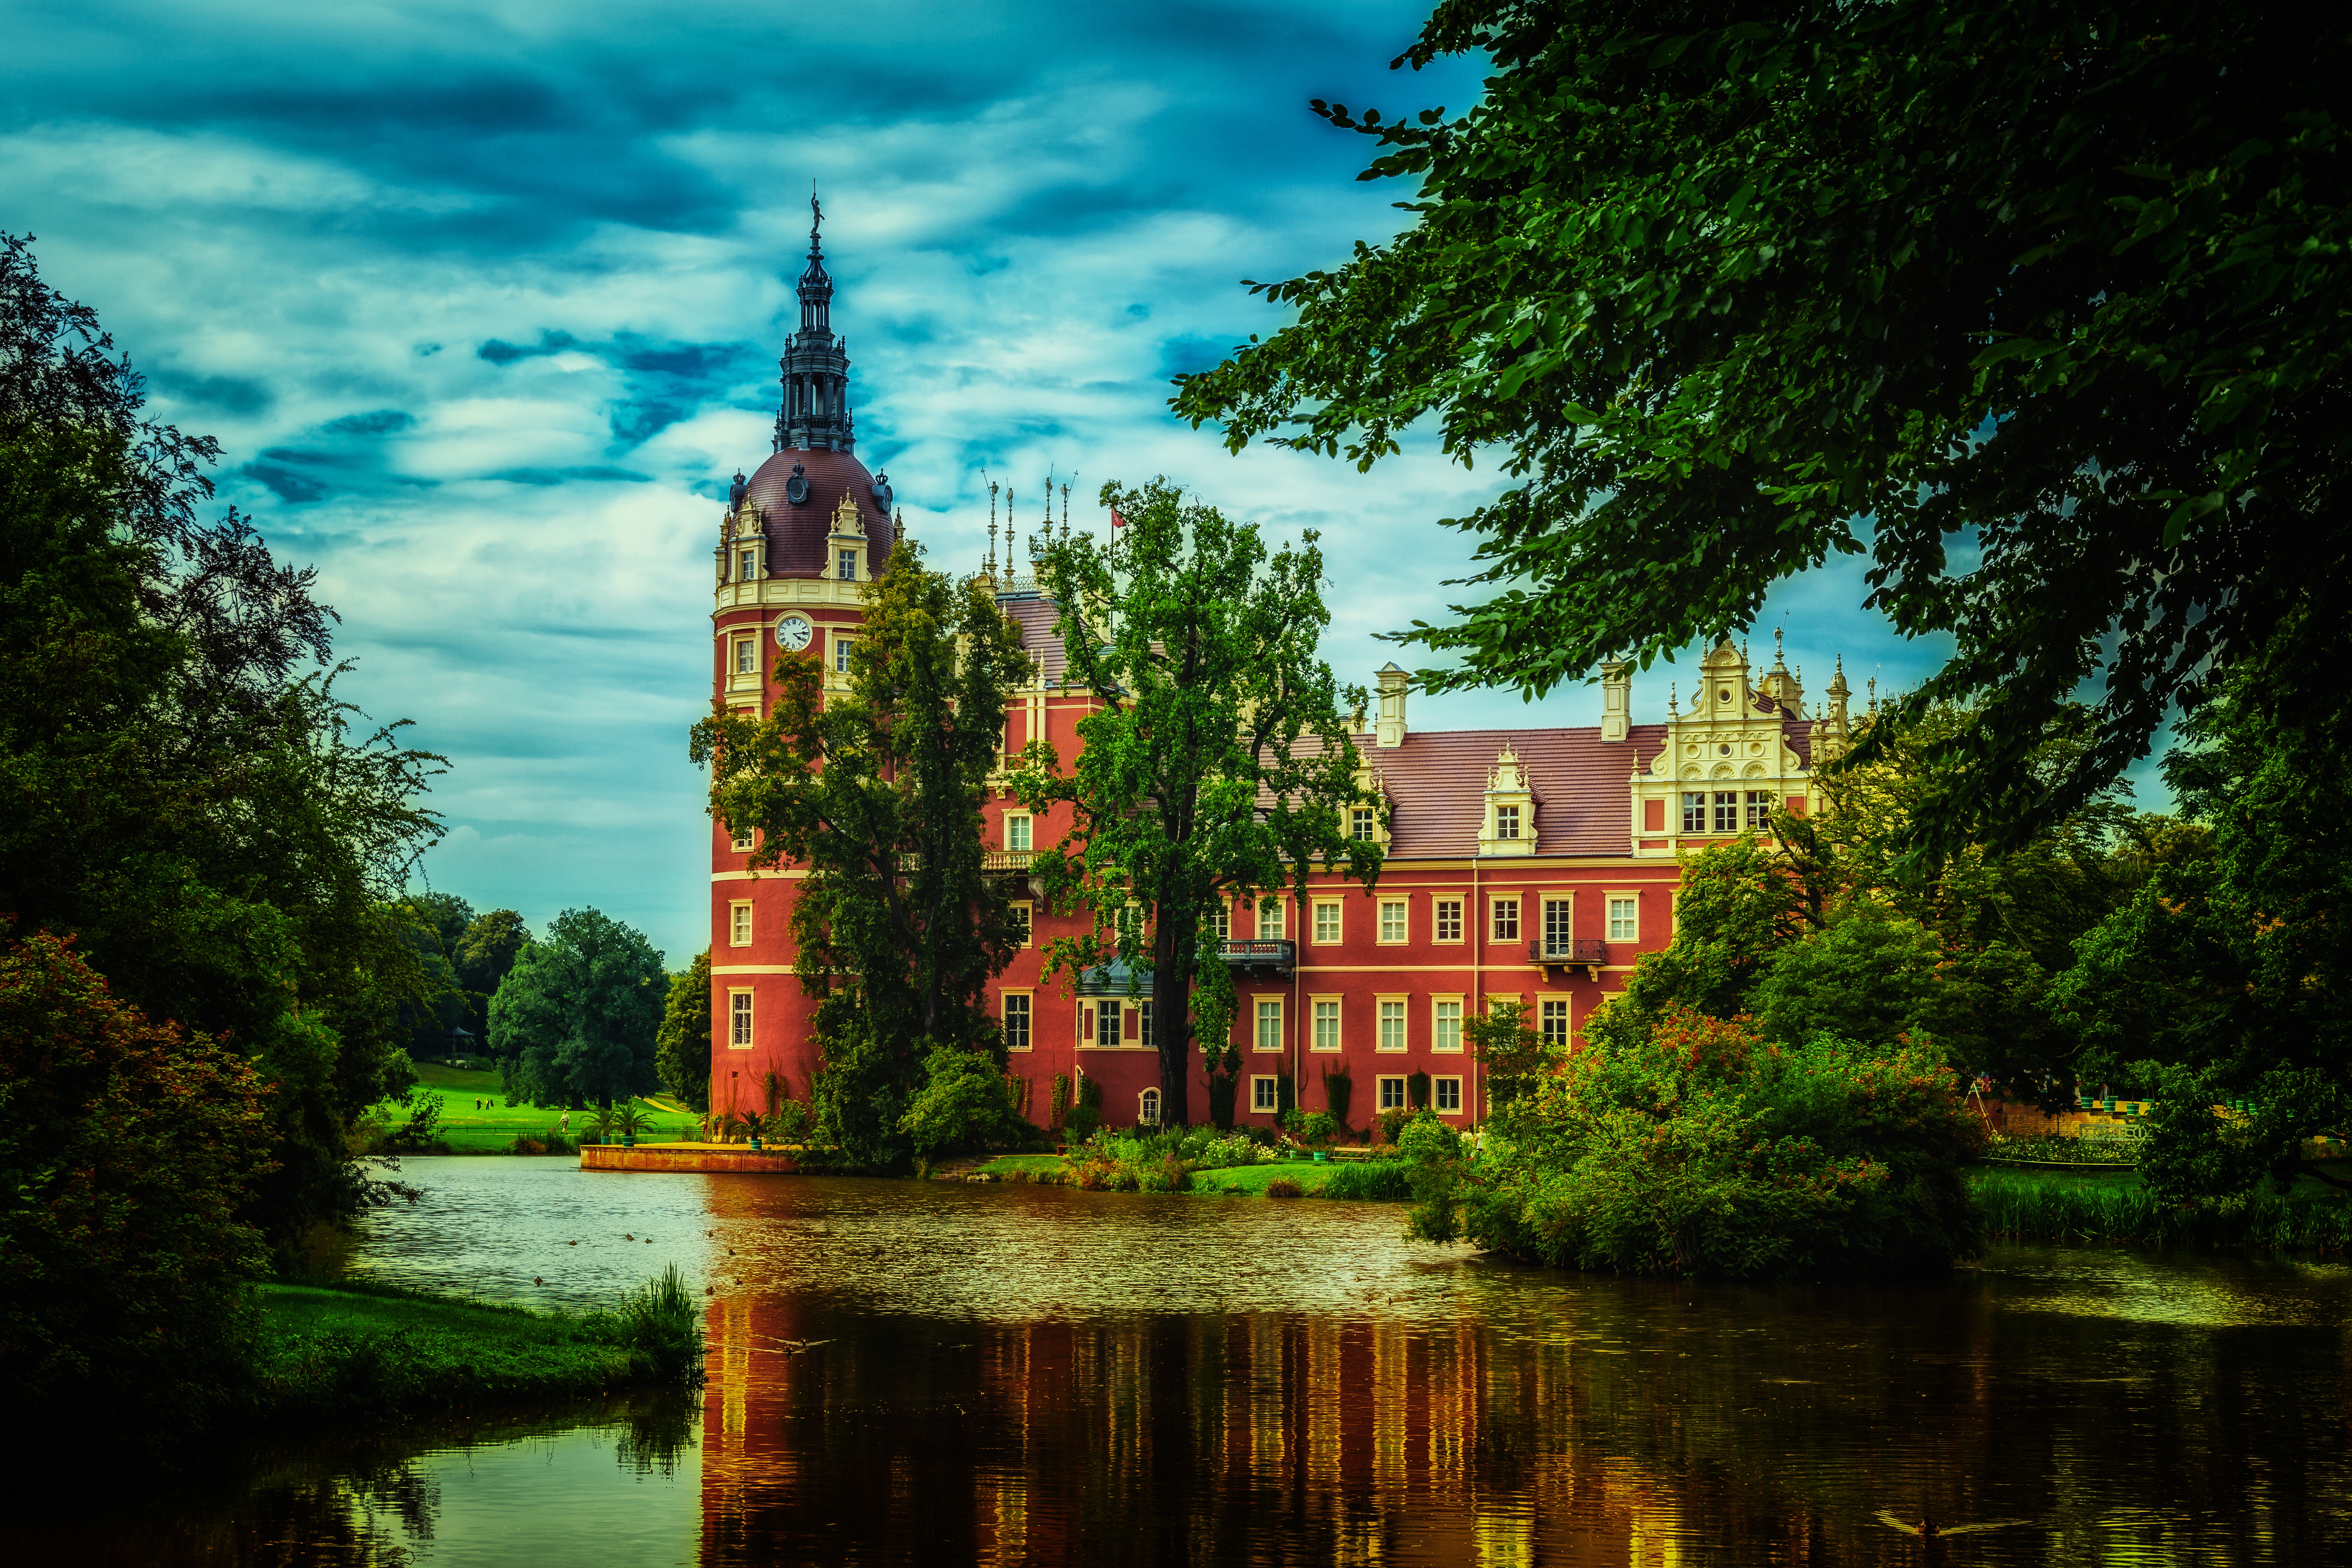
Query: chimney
(1616,698)
(1389,733)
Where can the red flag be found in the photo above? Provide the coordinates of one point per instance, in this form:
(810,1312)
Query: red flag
(1116,520)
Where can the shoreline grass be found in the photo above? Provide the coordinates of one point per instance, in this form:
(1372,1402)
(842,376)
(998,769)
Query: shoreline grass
(2097,1207)
(346,1351)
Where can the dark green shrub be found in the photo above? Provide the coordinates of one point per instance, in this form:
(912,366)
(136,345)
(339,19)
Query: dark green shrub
(1318,1128)
(1284,1188)
(1416,1091)
(1339,1089)
(1081,1123)
(1057,1106)
(1286,1095)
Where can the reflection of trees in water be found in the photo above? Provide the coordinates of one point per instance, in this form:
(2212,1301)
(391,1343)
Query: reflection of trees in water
(1514,1418)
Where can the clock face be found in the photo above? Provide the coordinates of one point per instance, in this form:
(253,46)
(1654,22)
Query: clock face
(792,633)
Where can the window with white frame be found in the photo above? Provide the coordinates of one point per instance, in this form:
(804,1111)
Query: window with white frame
(1016,1021)
(1555,1022)
(1559,926)
(1221,920)
(1269,920)
(738,924)
(1448,918)
(841,647)
(739,1020)
(1392,1035)
(1016,830)
(1395,915)
(1448,1095)
(848,564)
(1506,920)
(1446,1025)
(1364,824)
(1269,1023)
(744,567)
(1107,1024)
(1507,822)
(1326,1023)
(747,656)
(1625,917)
(1760,809)
(1264,1094)
(1391,1094)
(1023,924)
(1695,812)
(1727,811)
(1327,922)
(1144,1025)
(1147,1108)
(742,841)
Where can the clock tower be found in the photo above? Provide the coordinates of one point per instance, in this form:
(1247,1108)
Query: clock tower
(798,541)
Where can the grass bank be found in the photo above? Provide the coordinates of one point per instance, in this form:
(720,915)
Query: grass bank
(359,1352)
(1366,1180)
(477,1120)
(2079,1207)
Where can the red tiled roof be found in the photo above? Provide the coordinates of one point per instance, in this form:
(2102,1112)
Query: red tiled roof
(1437,781)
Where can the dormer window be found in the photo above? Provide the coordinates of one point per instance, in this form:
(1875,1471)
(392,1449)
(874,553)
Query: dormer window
(1362,824)
(1507,822)
(743,569)
(847,571)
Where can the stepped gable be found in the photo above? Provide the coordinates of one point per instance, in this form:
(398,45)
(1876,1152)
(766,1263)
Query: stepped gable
(797,533)
(1437,779)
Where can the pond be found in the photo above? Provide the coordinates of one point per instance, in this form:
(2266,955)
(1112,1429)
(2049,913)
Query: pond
(910,1372)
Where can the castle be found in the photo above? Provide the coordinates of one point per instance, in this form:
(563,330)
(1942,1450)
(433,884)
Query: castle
(1526,865)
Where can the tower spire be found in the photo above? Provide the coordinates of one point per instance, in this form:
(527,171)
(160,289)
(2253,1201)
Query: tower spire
(814,369)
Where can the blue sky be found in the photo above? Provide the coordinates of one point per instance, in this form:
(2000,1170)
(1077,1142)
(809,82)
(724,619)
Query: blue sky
(483,302)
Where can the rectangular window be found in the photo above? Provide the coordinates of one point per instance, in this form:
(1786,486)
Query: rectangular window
(742,841)
(747,656)
(1625,917)
(1449,919)
(1022,922)
(1559,919)
(1269,1024)
(1391,1023)
(1016,1022)
(1446,1025)
(744,567)
(1326,1025)
(848,572)
(1269,922)
(1555,1022)
(1727,811)
(1016,831)
(1143,1028)
(1392,920)
(1107,1024)
(1262,1094)
(1694,813)
(1507,822)
(1221,920)
(739,1018)
(739,925)
(1391,1094)
(1760,809)
(1327,923)
(1364,824)
(1506,920)
(1449,1095)
(841,647)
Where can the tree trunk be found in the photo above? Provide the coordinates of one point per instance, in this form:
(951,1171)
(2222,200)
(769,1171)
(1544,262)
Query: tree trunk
(1172,1017)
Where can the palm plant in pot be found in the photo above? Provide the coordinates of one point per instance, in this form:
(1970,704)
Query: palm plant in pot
(632,1119)
(601,1125)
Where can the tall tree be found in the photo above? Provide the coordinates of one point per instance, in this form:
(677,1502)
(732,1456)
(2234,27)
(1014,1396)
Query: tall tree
(203,815)
(577,1017)
(682,1046)
(493,939)
(877,792)
(1220,766)
(2035,305)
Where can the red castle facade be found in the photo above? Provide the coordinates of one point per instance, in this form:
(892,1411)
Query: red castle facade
(1528,865)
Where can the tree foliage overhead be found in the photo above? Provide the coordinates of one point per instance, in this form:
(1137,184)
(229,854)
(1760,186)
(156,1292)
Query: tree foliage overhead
(682,1045)
(1219,766)
(875,792)
(2037,306)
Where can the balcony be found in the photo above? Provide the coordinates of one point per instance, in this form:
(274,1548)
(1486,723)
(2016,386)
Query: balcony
(1010,862)
(1262,959)
(1588,953)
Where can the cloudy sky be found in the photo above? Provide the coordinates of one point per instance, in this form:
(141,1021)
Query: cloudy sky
(484,300)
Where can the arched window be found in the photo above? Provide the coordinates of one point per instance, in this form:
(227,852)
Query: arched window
(1148,1108)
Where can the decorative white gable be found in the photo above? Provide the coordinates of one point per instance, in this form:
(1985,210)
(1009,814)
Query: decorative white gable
(1509,825)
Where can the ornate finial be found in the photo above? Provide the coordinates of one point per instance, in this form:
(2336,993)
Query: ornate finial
(1066,507)
(1873,694)
(992,545)
(1673,703)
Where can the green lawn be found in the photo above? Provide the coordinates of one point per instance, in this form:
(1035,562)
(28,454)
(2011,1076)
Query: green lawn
(1240,1180)
(492,1127)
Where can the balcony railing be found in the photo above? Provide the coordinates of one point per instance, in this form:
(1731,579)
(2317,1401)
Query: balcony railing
(1275,953)
(1574,949)
(1007,859)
